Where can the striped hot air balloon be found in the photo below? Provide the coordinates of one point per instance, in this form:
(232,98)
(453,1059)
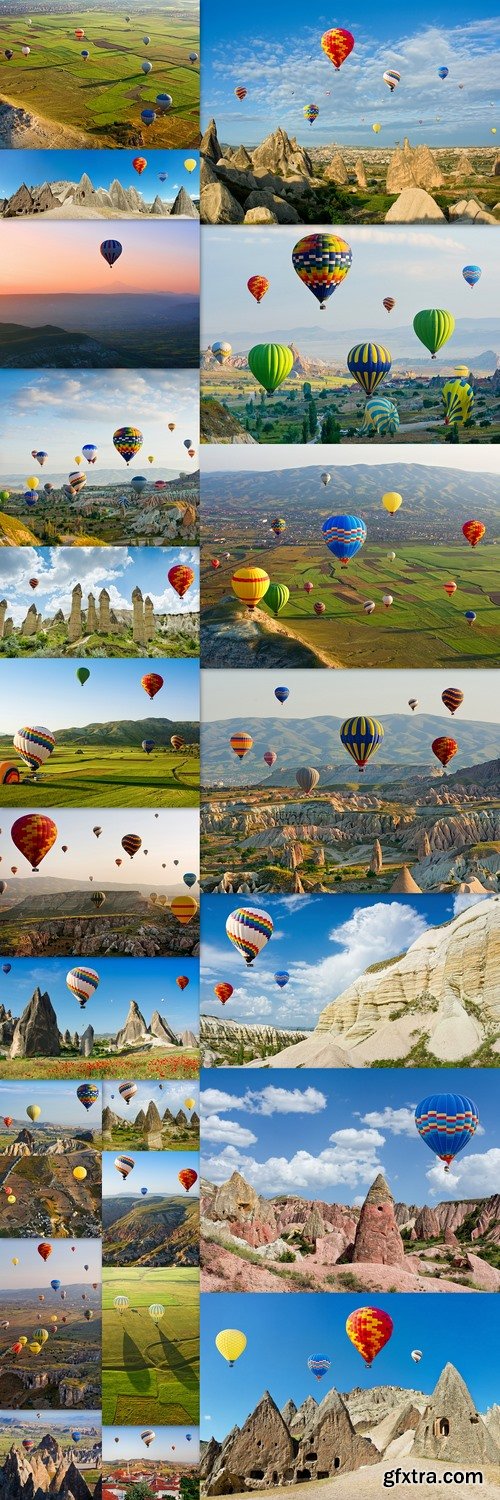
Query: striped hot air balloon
(240,92)
(319,1365)
(473,531)
(452,699)
(250,585)
(249,929)
(83,983)
(276,597)
(131,843)
(184,908)
(35,744)
(446,1122)
(177,741)
(127,1091)
(380,415)
(361,737)
(369,1328)
(444,748)
(124,1165)
(391,77)
(369,363)
(241,744)
(344,535)
(322,261)
(388,303)
(458,400)
(111,251)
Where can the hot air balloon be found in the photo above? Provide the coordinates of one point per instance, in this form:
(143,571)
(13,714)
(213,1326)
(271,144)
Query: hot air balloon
(124,1165)
(249,929)
(241,744)
(326,478)
(376,128)
(79,1174)
(310,112)
(458,400)
(7,967)
(32,483)
(319,1365)
(184,908)
(369,364)
(282,693)
(148,1437)
(452,699)
(433,326)
(450,588)
(131,843)
(278,525)
(180,578)
(148,116)
(380,415)
(35,744)
(308,588)
(26,51)
(44,1251)
(127,441)
(156,1312)
(443,72)
(470,615)
(391,77)
(55,1284)
(250,585)
(33,1112)
(33,583)
(258,286)
(121,1304)
(221,351)
(110,251)
(270,757)
(392,501)
(444,749)
(473,531)
(83,674)
(152,682)
(361,737)
(182,981)
(307,779)
(282,978)
(388,303)
(337,44)
(7,1120)
(270,364)
(471,275)
(139,164)
(189,879)
(146,67)
(322,261)
(89,451)
(369,1328)
(34,834)
(98,898)
(148,746)
(223,992)
(276,597)
(319,607)
(446,1122)
(82,982)
(79,34)
(187,1178)
(416,1355)
(231,1343)
(344,535)
(87,1093)
(241,93)
(177,741)
(413,704)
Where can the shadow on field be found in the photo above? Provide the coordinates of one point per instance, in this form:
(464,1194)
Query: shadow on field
(177,1364)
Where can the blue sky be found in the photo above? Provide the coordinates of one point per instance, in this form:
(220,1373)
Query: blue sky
(281,1336)
(88,1421)
(49,693)
(226,694)
(279,60)
(326,1136)
(103,167)
(118,569)
(58,1101)
(164,1095)
(131,1446)
(416,265)
(63,1265)
(149,981)
(167,835)
(59,412)
(323,943)
(155,1170)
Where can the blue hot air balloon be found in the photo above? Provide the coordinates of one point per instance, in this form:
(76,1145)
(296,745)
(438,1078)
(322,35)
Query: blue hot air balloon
(189,879)
(361,737)
(443,72)
(111,251)
(138,482)
(446,1122)
(282,693)
(55,1285)
(471,274)
(318,1364)
(148,116)
(148,746)
(281,978)
(143,1192)
(470,615)
(344,535)
(369,363)
(163,103)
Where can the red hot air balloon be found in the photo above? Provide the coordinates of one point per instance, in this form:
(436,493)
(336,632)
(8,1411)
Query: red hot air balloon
(131,843)
(319,608)
(308,588)
(33,582)
(7,1120)
(139,164)
(240,93)
(450,588)
(444,749)
(337,44)
(223,992)
(270,756)
(258,286)
(452,699)
(181,579)
(214,563)
(388,303)
(187,1178)
(152,683)
(34,834)
(182,981)
(369,1328)
(473,532)
(44,1250)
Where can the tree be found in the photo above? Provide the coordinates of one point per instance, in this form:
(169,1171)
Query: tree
(140,1491)
(313,417)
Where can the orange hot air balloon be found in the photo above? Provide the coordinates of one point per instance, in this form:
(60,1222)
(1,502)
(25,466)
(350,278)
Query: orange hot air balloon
(474,532)
(241,744)
(223,992)
(182,981)
(337,44)
(44,1250)
(34,834)
(450,588)
(388,303)
(184,908)
(369,1328)
(171,426)
(452,699)
(152,683)
(187,1178)
(7,1120)
(79,33)
(181,579)
(139,164)
(241,93)
(258,286)
(444,749)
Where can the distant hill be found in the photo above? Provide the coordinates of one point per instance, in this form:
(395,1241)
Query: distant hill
(128,732)
(156,1230)
(316,742)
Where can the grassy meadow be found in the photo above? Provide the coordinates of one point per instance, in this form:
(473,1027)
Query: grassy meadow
(105,776)
(150,1371)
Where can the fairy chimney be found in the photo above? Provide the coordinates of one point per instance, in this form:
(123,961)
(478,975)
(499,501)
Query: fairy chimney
(149,620)
(91,615)
(377,1239)
(3,612)
(29,624)
(451,1428)
(138,634)
(104,619)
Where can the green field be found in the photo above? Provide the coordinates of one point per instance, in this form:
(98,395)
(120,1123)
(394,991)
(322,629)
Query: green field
(151,1373)
(106,777)
(99,102)
(422,628)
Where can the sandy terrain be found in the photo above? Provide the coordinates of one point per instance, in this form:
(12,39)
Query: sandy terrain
(40,135)
(368,1484)
(223,1271)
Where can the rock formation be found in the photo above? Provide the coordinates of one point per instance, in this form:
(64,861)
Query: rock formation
(413,167)
(451,1428)
(404,883)
(183,206)
(36,1033)
(336,171)
(414,206)
(135,1029)
(360,173)
(377,1238)
(376,862)
(287,1447)
(75,622)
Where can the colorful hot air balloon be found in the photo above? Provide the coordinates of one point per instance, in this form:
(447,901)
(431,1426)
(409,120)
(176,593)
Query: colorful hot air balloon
(446,1122)
(278,525)
(361,737)
(35,744)
(433,326)
(184,908)
(110,251)
(444,749)
(458,400)
(231,1343)
(337,44)
(381,416)
(319,607)
(473,531)
(221,351)
(276,597)
(322,261)
(152,682)
(55,1284)
(452,699)
(89,451)
(270,364)
(241,93)
(187,1178)
(319,1365)
(83,983)
(270,757)
(391,77)
(443,72)
(124,1165)
(450,588)
(139,164)
(182,981)
(471,275)
(281,978)
(307,779)
(127,441)
(310,112)
(369,364)
(180,578)
(148,1437)
(127,1091)
(258,286)
(392,502)
(87,1093)
(344,535)
(388,303)
(44,1251)
(282,693)
(250,585)
(241,744)
(177,741)
(131,843)
(121,1304)
(34,834)
(223,992)
(249,929)
(369,1328)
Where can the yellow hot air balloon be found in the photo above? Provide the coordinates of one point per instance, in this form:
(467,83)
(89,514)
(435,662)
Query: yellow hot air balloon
(23,1340)
(78,458)
(11,1198)
(34,1348)
(32,483)
(79,1174)
(250,585)
(15,1260)
(462,370)
(230,1342)
(189,1103)
(392,501)
(377,128)
(190,164)
(33,1111)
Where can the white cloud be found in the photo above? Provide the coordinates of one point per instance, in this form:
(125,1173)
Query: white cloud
(230,1131)
(468,1177)
(398,1121)
(268,1101)
(352,1159)
(464,900)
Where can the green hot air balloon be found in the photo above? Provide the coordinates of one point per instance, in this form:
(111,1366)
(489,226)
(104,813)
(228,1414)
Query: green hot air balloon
(276,597)
(82,674)
(433,326)
(270,364)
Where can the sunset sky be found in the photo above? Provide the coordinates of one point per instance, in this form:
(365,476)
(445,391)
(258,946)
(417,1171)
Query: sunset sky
(39,257)
(168,835)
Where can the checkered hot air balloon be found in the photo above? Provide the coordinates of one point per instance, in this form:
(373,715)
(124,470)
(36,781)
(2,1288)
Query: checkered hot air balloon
(369,1329)
(446,1122)
(127,441)
(34,834)
(322,261)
